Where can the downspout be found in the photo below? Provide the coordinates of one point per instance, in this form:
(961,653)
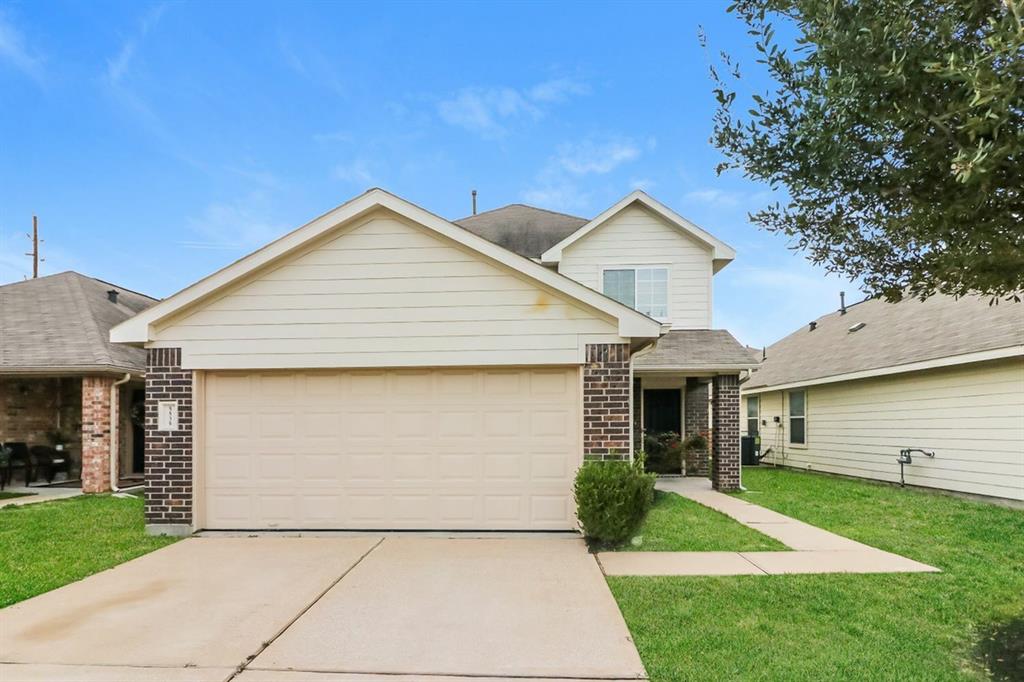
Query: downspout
(115,405)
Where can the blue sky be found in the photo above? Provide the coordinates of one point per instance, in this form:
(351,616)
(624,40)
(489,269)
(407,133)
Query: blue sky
(160,142)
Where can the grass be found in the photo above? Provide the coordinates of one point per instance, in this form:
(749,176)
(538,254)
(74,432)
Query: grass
(964,623)
(11,496)
(676,524)
(49,544)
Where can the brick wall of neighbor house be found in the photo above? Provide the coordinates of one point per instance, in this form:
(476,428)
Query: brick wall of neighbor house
(695,420)
(32,408)
(96,433)
(606,401)
(168,453)
(725,425)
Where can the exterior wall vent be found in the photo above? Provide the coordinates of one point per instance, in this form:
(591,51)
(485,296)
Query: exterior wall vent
(857,327)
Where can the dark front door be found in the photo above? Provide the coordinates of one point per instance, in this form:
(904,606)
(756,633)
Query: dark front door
(663,411)
(138,432)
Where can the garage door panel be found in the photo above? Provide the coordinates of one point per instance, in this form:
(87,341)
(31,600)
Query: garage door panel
(392,449)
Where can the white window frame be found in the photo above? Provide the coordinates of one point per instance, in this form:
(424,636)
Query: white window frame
(790,418)
(757,417)
(641,266)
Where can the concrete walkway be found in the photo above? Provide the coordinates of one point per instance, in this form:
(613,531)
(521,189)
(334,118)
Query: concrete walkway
(37,494)
(815,550)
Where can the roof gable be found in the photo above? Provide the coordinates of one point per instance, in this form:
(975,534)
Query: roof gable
(139,329)
(722,253)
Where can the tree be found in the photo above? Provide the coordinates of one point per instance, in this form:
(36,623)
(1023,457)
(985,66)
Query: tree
(897,130)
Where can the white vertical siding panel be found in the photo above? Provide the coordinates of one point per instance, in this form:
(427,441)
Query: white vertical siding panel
(972,416)
(637,237)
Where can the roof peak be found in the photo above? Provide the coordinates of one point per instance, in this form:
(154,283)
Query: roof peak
(522,205)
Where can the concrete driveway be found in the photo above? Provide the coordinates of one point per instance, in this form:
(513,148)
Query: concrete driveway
(278,609)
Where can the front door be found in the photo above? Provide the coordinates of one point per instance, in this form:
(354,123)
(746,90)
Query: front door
(663,411)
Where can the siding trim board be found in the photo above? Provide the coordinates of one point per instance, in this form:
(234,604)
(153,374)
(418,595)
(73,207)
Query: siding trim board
(949,361)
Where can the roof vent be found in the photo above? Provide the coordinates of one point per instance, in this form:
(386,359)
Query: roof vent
(112,295)
(812,326)
(857,327)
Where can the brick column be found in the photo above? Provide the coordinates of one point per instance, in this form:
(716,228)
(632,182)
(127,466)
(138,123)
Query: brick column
(96,434)
(725,424)
(168,453)
(695,414)
(606,398)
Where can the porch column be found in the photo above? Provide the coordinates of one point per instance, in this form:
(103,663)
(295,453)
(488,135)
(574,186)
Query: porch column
(696,421)
(96,433)
(725,439)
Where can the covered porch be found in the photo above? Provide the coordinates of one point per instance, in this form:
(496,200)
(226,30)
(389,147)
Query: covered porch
(70,431)
(686,405)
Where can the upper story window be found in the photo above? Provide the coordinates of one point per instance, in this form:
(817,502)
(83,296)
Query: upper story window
(798,417)
(645,289)
(753,415)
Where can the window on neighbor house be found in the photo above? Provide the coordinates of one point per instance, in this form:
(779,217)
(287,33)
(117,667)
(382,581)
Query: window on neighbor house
(798,417)
(753,415)
(643,289)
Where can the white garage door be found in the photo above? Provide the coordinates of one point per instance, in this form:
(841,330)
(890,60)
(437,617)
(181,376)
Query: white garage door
(391,449)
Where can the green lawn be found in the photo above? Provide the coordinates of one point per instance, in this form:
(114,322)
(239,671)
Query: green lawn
(10,496)
(676,524)
(964,623)
(49,544)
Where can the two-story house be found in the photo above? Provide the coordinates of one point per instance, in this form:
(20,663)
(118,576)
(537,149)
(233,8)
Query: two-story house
(384,368)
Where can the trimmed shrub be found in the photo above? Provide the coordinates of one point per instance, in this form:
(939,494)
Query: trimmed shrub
(612,499)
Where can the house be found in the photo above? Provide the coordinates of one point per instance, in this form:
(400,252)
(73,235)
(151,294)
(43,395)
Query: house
(62,381)
(384,368)
(848,392)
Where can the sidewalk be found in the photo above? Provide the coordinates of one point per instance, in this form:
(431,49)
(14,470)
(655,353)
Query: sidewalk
(815,550)
(38,494)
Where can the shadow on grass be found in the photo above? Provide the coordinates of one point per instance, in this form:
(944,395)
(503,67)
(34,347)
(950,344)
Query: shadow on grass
(1000,649)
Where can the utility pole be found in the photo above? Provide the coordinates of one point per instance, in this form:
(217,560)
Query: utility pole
(35,247)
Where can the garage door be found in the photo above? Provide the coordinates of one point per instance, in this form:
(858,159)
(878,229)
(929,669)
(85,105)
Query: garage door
(391,449)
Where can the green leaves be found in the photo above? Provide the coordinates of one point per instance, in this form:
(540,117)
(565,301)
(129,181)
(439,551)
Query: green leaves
(898,130)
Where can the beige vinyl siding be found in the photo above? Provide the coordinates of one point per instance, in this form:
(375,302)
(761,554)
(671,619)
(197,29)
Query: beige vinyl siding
(637,237)
(384,293)
(972,416)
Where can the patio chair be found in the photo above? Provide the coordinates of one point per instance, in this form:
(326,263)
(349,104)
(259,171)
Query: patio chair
(18,458)
(50,461)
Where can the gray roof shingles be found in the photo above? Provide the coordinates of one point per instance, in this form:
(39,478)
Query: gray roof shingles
(696,349)
(62,323)
(893,334)
(523,229)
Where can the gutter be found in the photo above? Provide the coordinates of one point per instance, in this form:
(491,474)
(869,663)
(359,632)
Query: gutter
(115,405)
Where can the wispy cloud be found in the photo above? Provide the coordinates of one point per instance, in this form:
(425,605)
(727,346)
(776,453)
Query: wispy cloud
(240,225)
(15,51)
(119,65)
(558,90)
(489,112)
(312,65)
(713,197)
(557,185)
(596,156)
(359,172)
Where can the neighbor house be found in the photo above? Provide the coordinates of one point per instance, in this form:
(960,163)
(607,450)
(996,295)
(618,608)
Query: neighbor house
(63,383)
(851,390)
(384,368)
